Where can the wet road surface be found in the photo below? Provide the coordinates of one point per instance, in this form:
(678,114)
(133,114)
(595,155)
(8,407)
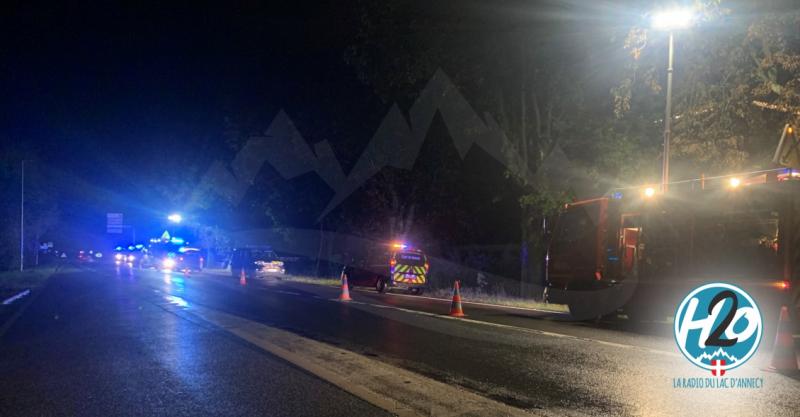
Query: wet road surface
(117,350)
(94,345)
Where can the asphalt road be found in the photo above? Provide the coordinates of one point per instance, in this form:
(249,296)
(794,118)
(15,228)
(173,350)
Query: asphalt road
(107,342)
(95,345)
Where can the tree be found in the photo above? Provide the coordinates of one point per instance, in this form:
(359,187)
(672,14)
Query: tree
(737,83)
(526,75)
(41,206)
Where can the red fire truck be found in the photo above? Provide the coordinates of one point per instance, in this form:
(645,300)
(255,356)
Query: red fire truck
(642,251)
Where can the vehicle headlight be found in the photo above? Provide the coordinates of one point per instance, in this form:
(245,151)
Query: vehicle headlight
(119,256)
(169,263)
(131,258)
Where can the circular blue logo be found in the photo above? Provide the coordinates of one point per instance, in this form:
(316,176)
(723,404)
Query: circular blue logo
(718,327)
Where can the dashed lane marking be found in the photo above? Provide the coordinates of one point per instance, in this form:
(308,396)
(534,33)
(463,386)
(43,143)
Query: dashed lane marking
(517,328)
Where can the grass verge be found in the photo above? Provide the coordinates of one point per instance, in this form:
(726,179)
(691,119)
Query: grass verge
(11,281)
(329,282)
(478,296)
(467,294)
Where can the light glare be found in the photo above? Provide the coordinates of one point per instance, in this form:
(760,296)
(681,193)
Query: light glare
(672,19)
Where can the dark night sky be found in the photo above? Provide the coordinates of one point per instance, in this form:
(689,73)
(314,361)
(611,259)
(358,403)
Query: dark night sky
(109,77)
(105,92)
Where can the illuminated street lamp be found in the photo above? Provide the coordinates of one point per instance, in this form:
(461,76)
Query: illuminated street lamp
(670,20)
(175,218)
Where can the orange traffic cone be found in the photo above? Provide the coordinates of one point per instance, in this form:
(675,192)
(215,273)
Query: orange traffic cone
(345,290)
(455,306)
(242,278)
(784,358)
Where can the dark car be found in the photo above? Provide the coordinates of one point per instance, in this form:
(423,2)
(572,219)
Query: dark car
(256,262)
(189,259)
(398,268)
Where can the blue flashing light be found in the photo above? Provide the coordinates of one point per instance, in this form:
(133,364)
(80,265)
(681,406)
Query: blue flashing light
(118,248)
(617,195)
(176,240)
(139,246)
(131,247)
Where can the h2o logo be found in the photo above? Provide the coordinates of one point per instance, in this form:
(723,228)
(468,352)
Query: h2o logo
(718,327)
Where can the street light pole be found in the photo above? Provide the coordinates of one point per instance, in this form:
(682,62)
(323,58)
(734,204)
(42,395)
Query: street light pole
(667,118)
(22,219)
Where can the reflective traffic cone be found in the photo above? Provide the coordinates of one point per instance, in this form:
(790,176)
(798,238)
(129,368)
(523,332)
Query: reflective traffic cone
(345,290)
(784,358)
(242,278)
(455,306)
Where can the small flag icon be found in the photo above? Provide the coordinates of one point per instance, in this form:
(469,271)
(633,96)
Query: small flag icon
(717,367)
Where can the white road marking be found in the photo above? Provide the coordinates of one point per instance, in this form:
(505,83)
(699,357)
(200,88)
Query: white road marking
(16,297)
(519,329)
(280,291)
(396,390)
(506,326)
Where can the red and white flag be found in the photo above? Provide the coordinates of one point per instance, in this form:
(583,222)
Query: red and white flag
(717,367)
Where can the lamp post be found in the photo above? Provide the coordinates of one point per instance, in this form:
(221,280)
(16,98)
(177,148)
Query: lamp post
(670,20)
(22,218)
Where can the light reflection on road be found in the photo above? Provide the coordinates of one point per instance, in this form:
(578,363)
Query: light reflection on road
(178,301)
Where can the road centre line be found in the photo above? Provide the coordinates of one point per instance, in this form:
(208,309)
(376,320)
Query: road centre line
(503,326)
(519,329)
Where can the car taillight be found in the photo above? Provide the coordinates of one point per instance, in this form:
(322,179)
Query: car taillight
(393,262)
(427,267)
(785,285)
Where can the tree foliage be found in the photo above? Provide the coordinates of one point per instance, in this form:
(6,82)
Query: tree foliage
(737,76)
(41,206)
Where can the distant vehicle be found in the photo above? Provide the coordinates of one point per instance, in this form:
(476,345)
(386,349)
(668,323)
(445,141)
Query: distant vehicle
(256,262)
(130,256)
(189,259)
(84,257)
(171,256)
(399,267)
(643,251)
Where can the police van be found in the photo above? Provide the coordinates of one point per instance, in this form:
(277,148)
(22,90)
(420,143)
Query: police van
(396,267)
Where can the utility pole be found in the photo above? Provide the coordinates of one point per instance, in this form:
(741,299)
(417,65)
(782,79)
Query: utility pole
(667,119)
(22,219)
(523,142)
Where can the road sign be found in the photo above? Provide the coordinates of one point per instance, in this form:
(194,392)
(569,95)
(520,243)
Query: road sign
(114,223)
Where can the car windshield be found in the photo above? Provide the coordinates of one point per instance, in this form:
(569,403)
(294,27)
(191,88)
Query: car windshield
(264,255)
(410,258)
